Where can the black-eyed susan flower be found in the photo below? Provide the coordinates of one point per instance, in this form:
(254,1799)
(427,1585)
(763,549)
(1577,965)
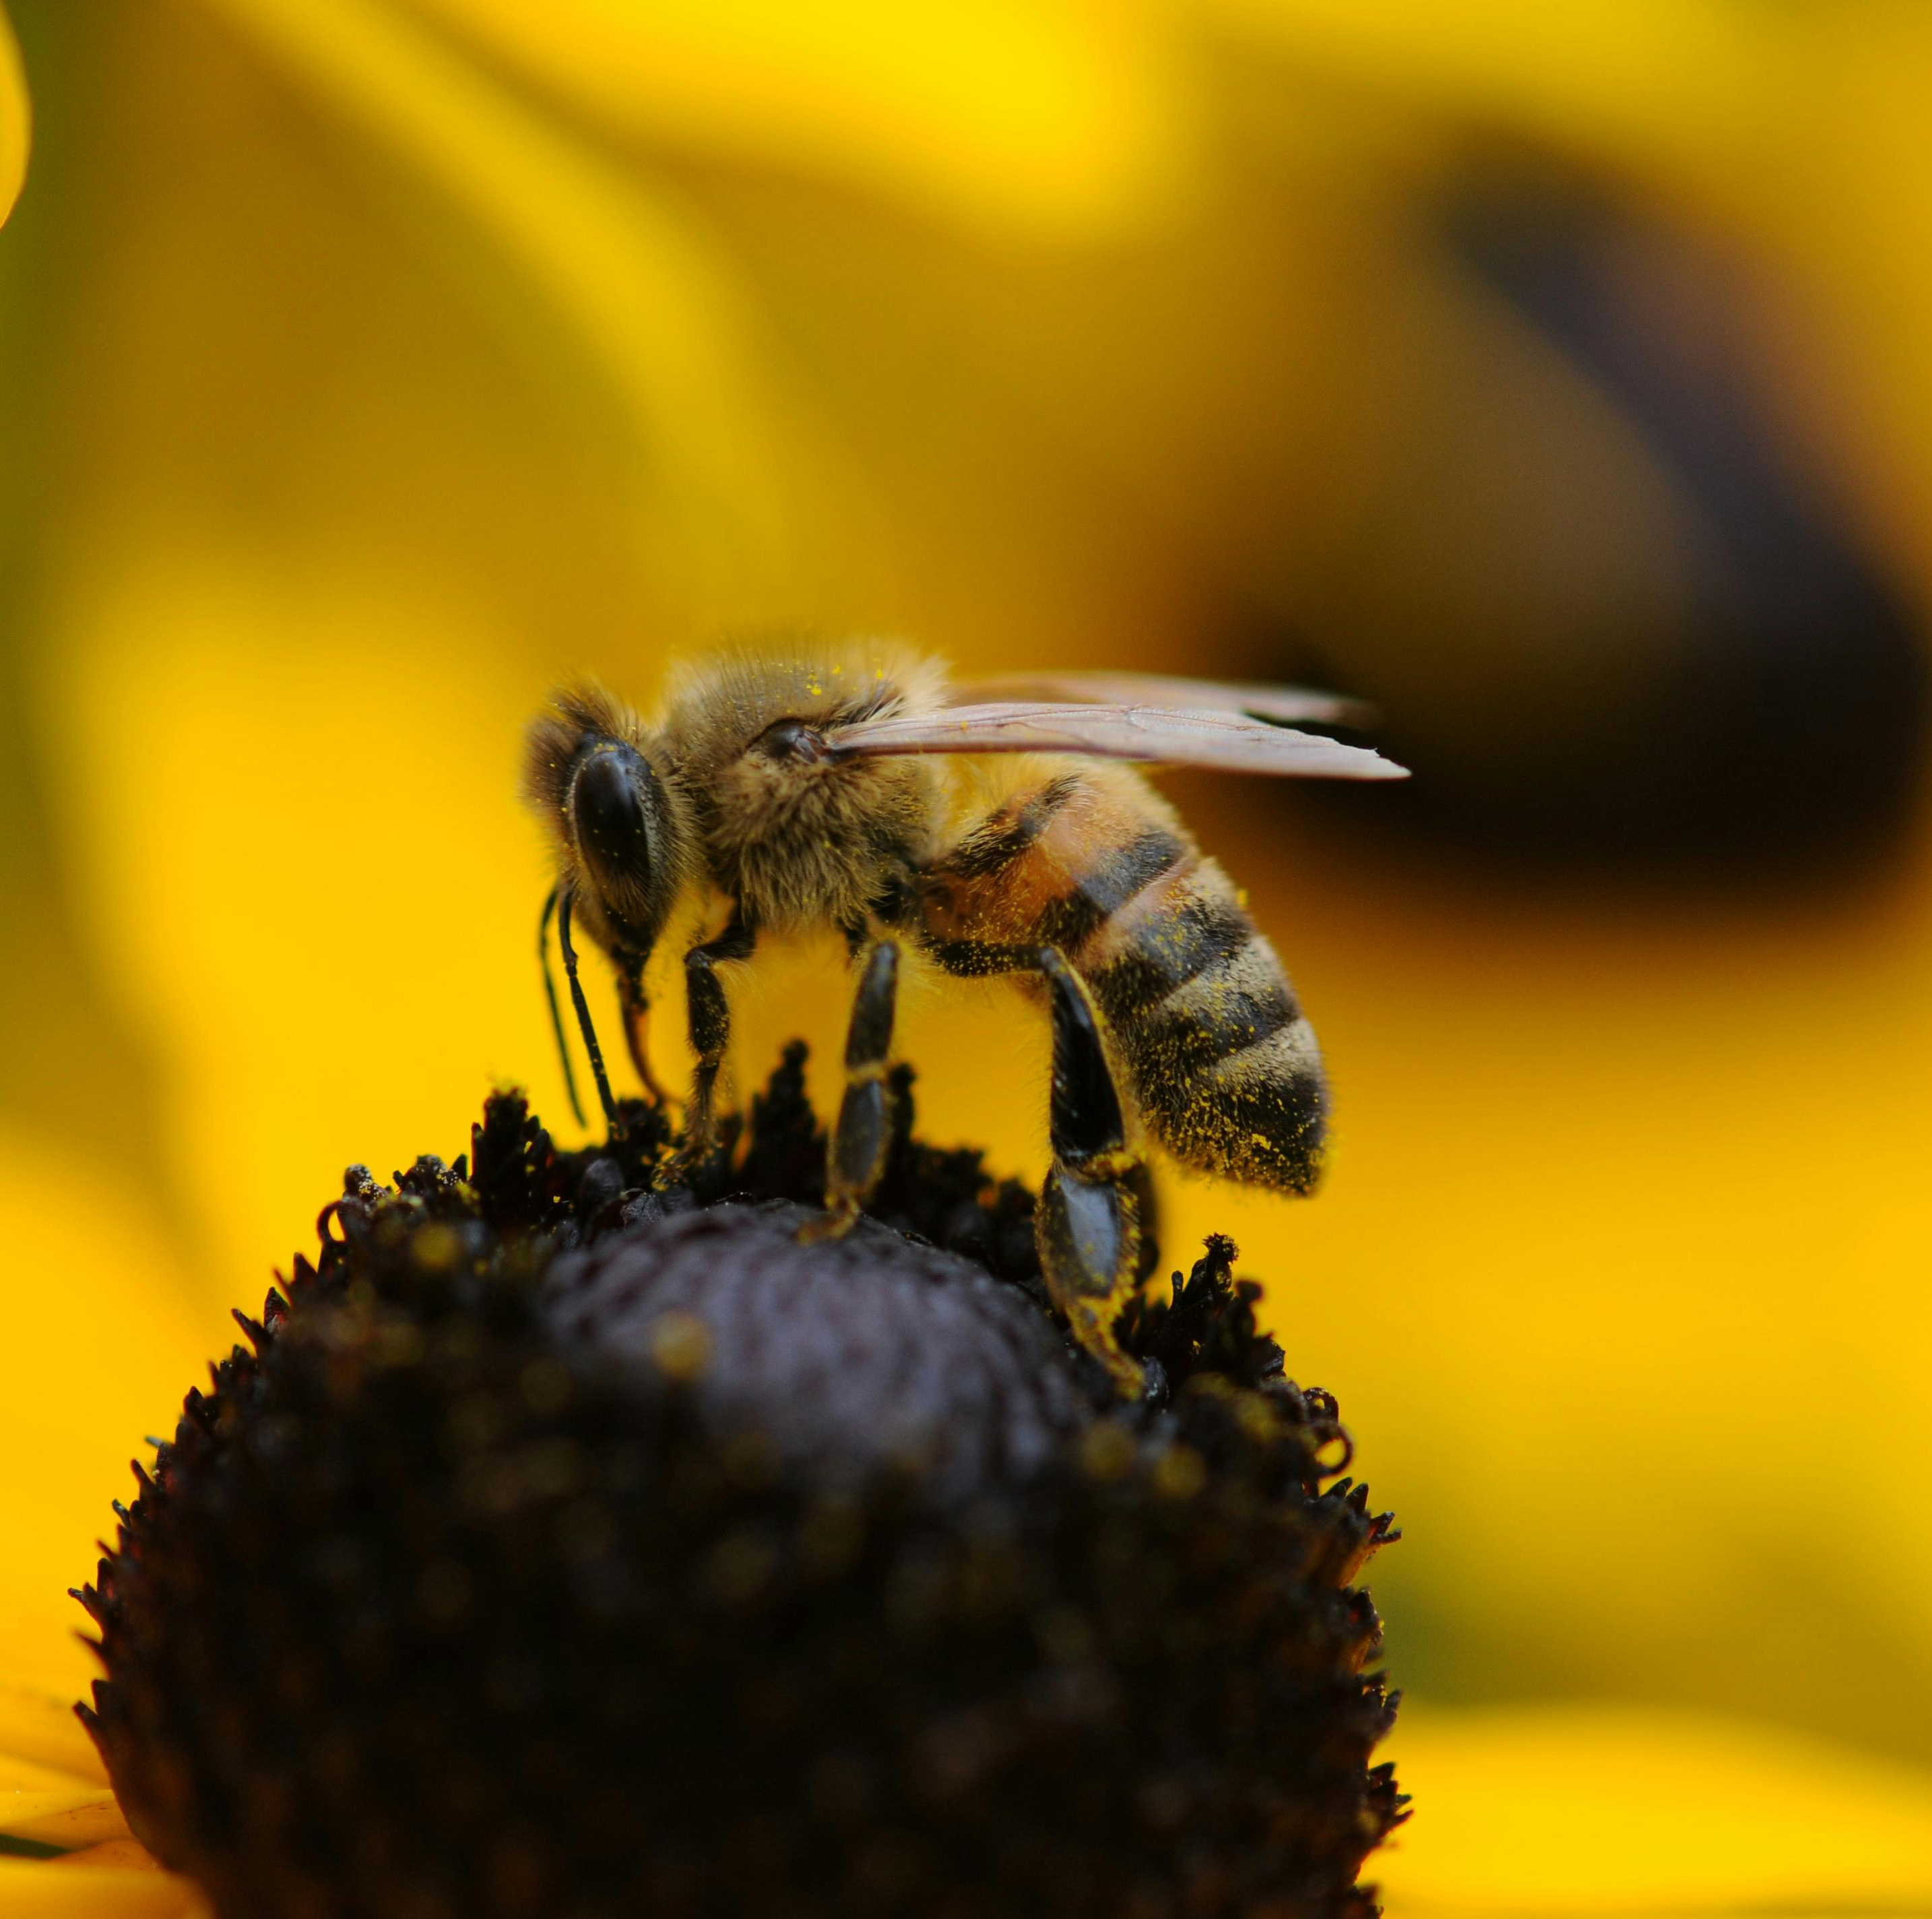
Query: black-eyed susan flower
(572,1540)
(559,1530)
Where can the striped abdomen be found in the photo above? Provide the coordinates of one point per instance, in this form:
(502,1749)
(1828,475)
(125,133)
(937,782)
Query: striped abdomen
(1221,1064)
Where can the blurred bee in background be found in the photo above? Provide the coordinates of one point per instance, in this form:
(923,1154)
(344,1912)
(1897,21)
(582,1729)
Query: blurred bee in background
(983,826)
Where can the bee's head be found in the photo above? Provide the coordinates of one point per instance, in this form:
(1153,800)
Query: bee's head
(588,772)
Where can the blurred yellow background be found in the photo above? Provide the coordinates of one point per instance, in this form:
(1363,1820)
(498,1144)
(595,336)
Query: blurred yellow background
(1558,377)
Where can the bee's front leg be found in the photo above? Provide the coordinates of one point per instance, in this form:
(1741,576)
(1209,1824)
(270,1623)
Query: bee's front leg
(855,1157)
(709,1014)
(1094,1223)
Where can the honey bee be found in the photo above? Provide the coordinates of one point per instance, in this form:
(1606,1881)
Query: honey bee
(989,826)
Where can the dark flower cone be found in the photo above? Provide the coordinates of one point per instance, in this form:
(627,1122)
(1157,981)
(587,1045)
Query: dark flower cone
(570,1540)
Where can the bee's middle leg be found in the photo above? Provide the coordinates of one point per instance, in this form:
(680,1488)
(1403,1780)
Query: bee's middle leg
(709,1015)
(1095,1218)
(855,1159)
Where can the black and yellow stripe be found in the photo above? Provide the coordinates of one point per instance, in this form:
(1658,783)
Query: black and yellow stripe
(1223,1068)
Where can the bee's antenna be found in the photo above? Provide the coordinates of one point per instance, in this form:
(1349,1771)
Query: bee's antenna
(555,1011)
(565,898)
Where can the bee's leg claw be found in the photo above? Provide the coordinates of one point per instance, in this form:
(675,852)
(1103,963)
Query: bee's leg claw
(822,1226)
(856,1154)
(1094,1214)
(700,1126)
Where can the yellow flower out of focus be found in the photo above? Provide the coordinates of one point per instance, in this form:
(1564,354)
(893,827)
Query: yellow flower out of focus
(14,120)
(372,363)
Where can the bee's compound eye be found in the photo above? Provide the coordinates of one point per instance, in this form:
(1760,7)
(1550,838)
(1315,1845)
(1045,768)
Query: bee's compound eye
(608,809)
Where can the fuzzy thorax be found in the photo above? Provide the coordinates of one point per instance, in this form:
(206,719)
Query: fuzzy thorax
(800,845)
(800,841)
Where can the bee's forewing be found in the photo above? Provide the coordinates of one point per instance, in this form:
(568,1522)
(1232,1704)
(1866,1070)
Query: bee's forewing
(1160,735)
(1160,689)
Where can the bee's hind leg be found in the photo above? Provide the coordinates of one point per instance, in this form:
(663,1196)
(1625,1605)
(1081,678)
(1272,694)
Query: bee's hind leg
(855,1159)
(1094,1222)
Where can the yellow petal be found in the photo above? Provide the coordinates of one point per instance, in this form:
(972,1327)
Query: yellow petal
(121,1855)
(42,1743)
(649,297)
(70,1819)
(99,1350)
(1056,117)
(353,1000)
(1607,1809)
(39,1890)
(18,1776)
(15,122)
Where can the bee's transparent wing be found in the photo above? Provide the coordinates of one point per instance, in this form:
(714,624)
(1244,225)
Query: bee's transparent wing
(1288,704)
(1159,735)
